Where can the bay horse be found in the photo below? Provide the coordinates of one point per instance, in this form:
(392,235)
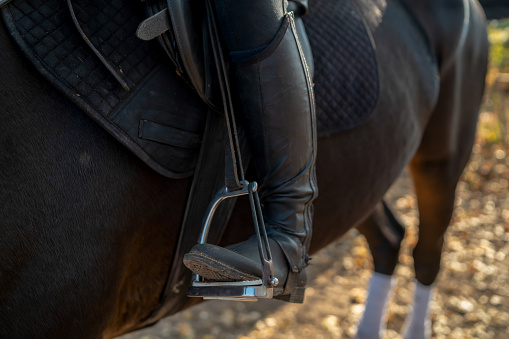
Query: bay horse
(87,231)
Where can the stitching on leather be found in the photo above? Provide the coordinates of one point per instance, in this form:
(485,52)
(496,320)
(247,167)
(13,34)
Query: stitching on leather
(307,209)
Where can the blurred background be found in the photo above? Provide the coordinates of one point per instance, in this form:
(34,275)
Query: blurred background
(472,290)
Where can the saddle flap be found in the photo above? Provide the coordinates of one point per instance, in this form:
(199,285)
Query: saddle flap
(188,19)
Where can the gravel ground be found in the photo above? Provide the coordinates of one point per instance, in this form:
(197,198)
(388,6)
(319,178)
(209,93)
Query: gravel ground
(472,295)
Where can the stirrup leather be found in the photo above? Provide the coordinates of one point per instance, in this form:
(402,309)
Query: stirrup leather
(249,290)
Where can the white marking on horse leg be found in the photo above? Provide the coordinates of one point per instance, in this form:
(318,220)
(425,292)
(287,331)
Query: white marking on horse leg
(418,324)
(371,325)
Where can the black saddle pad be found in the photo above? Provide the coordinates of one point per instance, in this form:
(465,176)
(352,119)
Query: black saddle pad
(346,69)
(161,120)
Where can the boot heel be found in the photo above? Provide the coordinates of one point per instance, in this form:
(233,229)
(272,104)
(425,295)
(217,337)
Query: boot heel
(297,296)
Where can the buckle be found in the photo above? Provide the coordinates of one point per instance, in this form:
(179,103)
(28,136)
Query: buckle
(250,290)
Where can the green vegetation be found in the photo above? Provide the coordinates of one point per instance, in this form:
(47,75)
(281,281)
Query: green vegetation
(493,126)
(499,38)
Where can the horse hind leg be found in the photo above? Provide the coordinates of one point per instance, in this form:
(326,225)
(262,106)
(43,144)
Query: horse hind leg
(435,175)
(384,233)
(436,170)
(438,163)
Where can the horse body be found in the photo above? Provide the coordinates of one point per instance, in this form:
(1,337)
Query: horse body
(87,231)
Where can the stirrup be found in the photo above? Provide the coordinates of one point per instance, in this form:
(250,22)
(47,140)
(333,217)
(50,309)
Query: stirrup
(249,290)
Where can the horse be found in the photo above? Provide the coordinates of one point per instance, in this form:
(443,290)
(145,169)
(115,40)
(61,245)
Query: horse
(88,231)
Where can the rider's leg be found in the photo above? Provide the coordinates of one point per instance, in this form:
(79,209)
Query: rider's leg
(276,103)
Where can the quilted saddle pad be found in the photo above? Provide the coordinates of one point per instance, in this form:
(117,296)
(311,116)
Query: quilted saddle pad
(160,119)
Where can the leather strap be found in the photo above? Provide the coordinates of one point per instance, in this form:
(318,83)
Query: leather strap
(154,26)
(234,172)
(165,36)
(299,7)
(103,60)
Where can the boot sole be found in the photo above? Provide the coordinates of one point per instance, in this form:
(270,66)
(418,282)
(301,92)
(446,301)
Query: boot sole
(211,269)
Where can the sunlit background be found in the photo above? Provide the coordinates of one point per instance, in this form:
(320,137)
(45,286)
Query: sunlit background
(472,294)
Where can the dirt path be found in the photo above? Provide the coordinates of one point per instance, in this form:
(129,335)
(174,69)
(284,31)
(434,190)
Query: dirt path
(472,295)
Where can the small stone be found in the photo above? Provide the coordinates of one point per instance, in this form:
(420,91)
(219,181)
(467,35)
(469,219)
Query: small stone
(260,325)
(358,295)
(331,324)
(271,322)
(461,305)
(500,154)
(406,272)
(495,300)
(466,306)
(348,263)
(358,309)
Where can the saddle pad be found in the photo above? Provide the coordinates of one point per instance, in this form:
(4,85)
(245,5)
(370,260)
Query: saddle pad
(159,119)
(346,69)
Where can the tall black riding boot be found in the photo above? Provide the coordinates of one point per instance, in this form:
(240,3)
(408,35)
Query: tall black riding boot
(276,99)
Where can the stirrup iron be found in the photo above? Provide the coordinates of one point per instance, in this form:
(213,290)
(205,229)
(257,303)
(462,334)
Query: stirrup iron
(249,290)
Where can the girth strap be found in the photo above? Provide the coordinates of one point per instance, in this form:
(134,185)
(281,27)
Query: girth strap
(205,185)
